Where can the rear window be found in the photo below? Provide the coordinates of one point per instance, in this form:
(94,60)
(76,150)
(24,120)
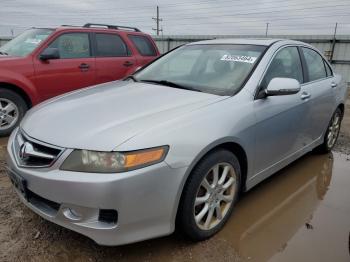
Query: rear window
(143,45)
(110,45)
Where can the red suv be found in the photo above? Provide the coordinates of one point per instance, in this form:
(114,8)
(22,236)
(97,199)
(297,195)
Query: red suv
(45,62)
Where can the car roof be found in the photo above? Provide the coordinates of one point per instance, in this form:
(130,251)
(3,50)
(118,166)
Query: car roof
(245,41)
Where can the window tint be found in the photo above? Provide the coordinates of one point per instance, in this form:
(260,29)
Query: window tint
(143,45)
(285,64)
(328,69)
(315,65)
(73,45)
(110,45)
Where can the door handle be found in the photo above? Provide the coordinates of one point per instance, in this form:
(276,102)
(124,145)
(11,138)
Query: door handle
(305,96)
(333,84)
(128,63)
(84,66)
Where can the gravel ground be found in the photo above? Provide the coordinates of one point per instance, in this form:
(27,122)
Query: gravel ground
(343,141)
(24,236)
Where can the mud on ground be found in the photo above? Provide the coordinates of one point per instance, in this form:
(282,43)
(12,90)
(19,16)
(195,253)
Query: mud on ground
(24,236)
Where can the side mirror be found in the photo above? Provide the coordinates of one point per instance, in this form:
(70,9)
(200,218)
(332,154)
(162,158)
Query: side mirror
(50,53)
(282,86)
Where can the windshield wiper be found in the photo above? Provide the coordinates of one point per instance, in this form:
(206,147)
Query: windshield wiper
(131,77)
(171,84)
(3,53)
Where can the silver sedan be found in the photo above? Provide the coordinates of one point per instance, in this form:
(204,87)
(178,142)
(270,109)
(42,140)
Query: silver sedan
(177,142)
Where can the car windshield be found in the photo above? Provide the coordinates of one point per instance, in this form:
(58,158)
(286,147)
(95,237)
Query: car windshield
(25,43)
(216,69)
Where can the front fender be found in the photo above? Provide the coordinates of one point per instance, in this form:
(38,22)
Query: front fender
(25,84)
(194,162)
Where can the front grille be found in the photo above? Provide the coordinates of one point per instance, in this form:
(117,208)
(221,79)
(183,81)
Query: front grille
(32,153)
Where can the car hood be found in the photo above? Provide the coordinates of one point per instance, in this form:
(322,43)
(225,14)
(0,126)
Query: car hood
(9,58)
(105,116)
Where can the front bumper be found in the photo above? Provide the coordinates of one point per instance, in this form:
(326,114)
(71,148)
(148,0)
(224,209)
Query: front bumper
(146,200)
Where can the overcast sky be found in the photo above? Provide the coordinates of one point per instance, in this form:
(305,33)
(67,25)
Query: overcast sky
(183,17)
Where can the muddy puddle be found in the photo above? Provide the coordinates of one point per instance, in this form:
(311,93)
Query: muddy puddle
(300,214)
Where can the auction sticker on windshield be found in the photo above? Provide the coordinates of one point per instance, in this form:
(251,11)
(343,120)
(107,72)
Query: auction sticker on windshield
(238,58)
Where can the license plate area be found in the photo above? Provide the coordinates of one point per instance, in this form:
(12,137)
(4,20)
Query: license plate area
(18,182)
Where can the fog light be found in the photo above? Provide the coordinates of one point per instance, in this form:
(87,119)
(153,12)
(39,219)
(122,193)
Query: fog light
(72,214)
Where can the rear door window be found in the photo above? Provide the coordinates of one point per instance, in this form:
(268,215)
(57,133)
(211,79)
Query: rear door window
(110,45)
(315,65)
(143,45)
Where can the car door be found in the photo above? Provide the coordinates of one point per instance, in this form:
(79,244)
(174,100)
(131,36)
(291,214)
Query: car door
(319,86)
(74,69)
(147,52)
(113,57)
(280,119)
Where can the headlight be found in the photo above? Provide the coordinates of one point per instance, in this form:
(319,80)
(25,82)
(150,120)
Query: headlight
(113,162)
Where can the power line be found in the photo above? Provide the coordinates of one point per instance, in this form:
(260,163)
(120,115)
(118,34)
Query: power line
(187,5)
(278,19)
(234,15)
(273,8)
(259,12)
(259,27)
(245,19)
(231,14)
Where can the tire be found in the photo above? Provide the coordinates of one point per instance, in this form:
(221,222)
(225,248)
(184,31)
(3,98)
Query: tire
(333,127)
(194,188)
(12,109)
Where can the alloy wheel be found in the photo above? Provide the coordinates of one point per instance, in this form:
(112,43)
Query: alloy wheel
(333,130)
(8,113)
(215,196)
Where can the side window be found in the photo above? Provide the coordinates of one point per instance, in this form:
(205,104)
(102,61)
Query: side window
(328,69)
(72,45)
(286,64)
(110,45)
(143,45)
(315,65)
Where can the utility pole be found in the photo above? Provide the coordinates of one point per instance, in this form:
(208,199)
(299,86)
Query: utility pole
(157,19)
(333,42)
(335,30)
(267,29)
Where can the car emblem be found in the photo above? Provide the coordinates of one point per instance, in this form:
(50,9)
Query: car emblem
(25,150)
